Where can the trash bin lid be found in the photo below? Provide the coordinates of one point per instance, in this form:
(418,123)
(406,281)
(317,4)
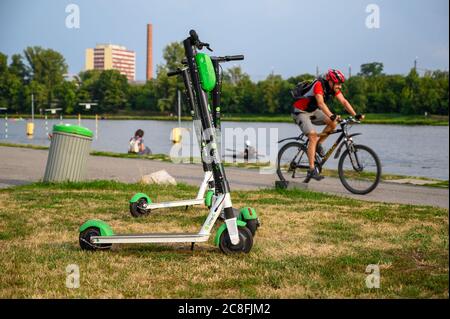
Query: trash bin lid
(73,129)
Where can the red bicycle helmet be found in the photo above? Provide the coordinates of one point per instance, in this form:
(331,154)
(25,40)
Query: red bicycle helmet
(336,76)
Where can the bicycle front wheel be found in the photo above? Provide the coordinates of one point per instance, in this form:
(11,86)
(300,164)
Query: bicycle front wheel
(359,169)
(292,162)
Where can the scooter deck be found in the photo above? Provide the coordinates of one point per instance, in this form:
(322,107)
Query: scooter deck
(150,238)
(180,203)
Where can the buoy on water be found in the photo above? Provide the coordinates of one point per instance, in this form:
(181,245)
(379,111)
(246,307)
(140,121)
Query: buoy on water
(175,135)
(30,128)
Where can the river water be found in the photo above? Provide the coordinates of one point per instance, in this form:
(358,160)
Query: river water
(405,150)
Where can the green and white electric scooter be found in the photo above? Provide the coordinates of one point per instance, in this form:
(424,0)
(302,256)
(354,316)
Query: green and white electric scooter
(140,203)
(234,235)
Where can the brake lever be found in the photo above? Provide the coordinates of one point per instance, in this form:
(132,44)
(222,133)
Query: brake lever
(207,46)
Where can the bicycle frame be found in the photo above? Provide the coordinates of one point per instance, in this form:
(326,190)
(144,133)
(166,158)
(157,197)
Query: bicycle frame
(343,139)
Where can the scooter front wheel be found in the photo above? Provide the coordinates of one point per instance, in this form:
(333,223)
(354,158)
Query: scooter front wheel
(245,242)
(85,240)
(137,209)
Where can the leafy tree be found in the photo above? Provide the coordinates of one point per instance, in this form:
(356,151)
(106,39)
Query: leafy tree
(40,94)
(87,86)
(268,93)
(11,88)
(44,70)
(356,88)
(3,80)
(235,75)
(237,91)
(173,53)
(166,92)
(410,104)
(46,67)
(66,94)
(111,91)
(294,80)
(143,97)
(167,87)
(371,69)
(18,67)
(3,63)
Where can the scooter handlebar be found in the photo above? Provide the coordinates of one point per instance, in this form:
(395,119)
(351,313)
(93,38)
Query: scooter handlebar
(227,58)
(195,41)
(173,73)
(194,37)
(234,57)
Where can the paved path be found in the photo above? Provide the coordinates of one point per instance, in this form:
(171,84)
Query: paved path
(21,165)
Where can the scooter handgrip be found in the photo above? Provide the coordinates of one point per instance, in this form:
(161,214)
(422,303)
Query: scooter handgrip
(234,57)
(173,73)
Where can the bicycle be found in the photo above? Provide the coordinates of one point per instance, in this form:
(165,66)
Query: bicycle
(359,167)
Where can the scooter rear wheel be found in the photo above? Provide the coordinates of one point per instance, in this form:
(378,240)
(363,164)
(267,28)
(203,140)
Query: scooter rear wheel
(245,242)
(136,208)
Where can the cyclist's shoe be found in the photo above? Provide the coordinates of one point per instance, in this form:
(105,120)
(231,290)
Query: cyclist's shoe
(313,173)
(320,150)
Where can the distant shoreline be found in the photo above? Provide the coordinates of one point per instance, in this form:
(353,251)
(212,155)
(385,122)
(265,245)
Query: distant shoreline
(385,119)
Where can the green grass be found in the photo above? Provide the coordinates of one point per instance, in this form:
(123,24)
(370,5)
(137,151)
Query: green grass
(31,146)
(157,157)
(441,184)
(413,180)
(309,245)
(400,119)
(371,118)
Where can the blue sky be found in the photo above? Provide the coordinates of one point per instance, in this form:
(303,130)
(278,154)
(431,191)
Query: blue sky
(288,37)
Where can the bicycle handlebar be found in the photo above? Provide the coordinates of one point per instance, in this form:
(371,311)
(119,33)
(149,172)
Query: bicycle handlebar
(348,120)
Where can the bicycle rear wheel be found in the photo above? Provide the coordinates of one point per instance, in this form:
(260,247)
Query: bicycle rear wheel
(359,169)
(292,164)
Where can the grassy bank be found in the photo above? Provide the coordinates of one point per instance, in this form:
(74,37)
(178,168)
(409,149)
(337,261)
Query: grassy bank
(309,245)
(393,119)
(401,179)
(414,180)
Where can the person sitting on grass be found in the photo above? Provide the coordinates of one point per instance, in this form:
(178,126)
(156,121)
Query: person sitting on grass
(137,146)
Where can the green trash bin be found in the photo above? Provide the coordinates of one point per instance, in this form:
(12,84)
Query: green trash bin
(68,154)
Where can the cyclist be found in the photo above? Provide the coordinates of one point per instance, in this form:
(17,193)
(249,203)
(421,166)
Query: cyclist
(311,108)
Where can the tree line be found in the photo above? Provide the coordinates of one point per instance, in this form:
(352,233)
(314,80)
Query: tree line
(43,73)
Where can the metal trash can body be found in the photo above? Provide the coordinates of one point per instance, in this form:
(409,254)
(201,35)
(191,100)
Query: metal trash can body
(68,153)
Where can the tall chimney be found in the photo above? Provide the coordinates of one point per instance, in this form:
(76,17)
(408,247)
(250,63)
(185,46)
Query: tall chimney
(149,51)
